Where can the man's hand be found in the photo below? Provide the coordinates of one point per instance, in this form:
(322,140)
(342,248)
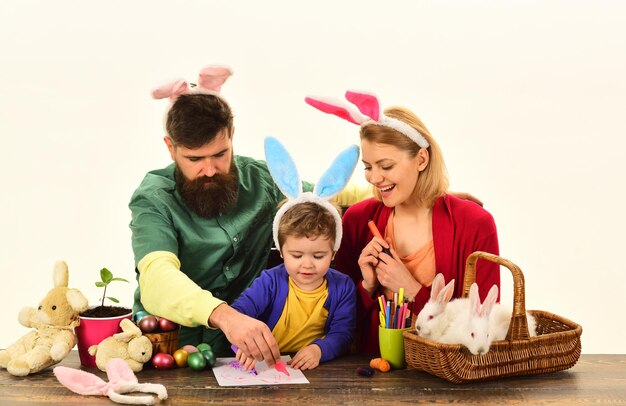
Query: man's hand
(252,336)
(467,196)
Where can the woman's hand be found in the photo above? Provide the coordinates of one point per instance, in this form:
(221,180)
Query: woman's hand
(307,358)
(368,260)
(392,274)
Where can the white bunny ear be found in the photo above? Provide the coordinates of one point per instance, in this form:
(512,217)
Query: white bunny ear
(282,168)
(338,174)
(474,299)
(437,285)
(490,300)
(447,292)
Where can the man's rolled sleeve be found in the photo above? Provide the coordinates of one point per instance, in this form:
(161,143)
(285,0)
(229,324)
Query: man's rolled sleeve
(168,292)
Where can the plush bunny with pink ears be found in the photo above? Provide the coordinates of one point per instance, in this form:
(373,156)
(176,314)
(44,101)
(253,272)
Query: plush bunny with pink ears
(369,114)
(121,380)
(210,81)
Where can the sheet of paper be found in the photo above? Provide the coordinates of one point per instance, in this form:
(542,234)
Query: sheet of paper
(229,372)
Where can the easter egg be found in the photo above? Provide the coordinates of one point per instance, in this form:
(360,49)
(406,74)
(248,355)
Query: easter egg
(167,325)
(196,361)
(203,346)
(162,360)
(209,357)
(148,324)
(180,356)
(140,315)
(189,348)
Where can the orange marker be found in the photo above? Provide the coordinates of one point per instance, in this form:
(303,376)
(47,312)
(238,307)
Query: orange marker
(376,233)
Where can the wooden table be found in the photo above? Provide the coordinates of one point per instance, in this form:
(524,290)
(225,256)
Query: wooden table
(595,379)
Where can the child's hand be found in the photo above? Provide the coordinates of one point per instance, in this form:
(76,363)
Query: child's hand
(306,358)
(246,362)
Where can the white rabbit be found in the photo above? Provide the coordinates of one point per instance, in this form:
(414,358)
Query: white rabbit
(470,325)
(433,320)
(500,320)
(479,325)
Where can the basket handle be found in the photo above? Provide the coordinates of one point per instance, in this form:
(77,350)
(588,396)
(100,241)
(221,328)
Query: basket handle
(518,328)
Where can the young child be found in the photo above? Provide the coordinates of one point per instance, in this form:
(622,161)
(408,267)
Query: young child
(310,307)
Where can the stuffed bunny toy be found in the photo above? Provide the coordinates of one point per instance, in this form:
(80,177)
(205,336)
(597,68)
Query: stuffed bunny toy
(54,321)
(285,174)
(129,345)
(121,380)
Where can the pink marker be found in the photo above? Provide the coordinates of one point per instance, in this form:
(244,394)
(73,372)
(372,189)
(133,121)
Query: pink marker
(281,367)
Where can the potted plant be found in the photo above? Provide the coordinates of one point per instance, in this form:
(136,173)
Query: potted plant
(99,322)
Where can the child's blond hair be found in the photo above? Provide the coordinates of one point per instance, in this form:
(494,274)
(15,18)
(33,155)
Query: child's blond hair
(307,219)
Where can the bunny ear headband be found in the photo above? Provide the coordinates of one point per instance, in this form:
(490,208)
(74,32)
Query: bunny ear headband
(121,380)
(210,81)
(370,108)
(285,174)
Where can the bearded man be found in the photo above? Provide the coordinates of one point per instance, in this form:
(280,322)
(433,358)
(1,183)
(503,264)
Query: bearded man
(202,230)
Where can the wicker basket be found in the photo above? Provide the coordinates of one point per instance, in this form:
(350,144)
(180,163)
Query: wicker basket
(556,346)
(164,342)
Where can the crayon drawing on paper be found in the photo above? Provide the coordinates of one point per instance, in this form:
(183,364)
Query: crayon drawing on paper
(229,372)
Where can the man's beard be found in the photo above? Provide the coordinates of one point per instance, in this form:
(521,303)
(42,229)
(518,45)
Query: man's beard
(209,196)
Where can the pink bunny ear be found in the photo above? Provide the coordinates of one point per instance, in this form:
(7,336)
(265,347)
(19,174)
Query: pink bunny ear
(81,382)
(213,77)
(171,90)
(334,108)
(119,372)
(367,103)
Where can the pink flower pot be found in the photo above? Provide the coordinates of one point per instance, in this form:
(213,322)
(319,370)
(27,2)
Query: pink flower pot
(92,330)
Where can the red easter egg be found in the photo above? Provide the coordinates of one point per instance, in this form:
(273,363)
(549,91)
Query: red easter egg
(167,325)
(162,360)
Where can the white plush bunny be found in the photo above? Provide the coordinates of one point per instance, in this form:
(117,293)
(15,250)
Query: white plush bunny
(121,380)
(285,174)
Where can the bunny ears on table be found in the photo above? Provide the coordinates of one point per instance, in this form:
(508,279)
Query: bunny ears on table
(210,81)
(121,380)
(285,174)
(370,108)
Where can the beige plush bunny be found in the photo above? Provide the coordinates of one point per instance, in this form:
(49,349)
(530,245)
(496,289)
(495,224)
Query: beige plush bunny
(129,345)
(54,321)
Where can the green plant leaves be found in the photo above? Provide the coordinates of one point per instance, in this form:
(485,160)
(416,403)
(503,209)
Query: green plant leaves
(106,275)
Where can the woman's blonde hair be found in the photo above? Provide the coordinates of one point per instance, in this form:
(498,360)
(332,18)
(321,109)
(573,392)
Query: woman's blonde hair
(433,180)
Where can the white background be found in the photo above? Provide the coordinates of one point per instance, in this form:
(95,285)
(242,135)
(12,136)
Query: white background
(526,99)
